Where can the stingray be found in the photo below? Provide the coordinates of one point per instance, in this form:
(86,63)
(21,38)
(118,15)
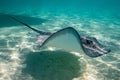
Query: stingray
(69,39)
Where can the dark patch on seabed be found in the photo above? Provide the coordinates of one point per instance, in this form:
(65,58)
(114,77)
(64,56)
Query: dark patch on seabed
(52,65)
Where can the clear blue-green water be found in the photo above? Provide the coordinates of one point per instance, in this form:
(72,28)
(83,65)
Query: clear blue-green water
(20,59)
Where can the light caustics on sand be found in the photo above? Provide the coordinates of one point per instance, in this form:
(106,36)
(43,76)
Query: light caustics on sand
(70,35)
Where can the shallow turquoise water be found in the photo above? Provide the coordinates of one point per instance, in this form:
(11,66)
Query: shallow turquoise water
(19,59)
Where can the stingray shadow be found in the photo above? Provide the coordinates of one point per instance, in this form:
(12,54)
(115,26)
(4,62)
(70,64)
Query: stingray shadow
(52,65)
(6,21)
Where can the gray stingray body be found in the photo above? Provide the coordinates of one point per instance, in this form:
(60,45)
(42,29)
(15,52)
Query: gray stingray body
(62,38)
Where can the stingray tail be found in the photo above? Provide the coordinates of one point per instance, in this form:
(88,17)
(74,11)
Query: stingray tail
(38,31)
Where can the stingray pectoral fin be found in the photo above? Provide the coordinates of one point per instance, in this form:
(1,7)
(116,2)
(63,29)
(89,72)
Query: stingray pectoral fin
(67,39)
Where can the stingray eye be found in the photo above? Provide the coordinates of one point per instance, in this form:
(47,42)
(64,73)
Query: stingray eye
(89,41)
